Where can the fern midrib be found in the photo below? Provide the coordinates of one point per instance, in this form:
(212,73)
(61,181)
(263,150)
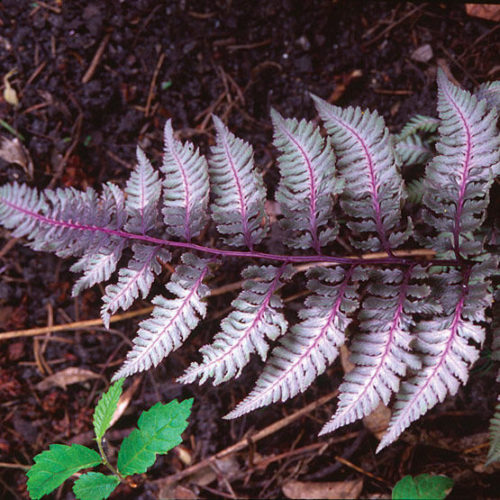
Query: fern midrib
(396,322)
(389,260)
(159,337)
(204,367)
(331,318)
(374,191)
(187,193)
(241,196)
(443,355)
(313,221)
(465,170)
(143,200)
(131,282)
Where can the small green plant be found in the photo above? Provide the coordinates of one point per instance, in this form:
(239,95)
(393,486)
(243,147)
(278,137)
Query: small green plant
(423,486)
(159,430)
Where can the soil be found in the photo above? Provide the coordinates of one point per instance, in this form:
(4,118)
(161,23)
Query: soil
(95,78)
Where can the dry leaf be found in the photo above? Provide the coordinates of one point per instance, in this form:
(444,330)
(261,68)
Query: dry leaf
(66,377)
(12,151)
(423,54)
(124,400)
(378,420)
(9,93)
(339,489)
(177,492)
(484,11)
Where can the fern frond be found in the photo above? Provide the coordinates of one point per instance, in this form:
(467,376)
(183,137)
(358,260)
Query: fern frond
(185,187)
(311,346)
(307,185)
(366,162)
(382,353)
(143,193)
(418,124)
(446,352)
(133,280)
(256,316)
(238,207)
(172,320)
(459,178)
(412,150)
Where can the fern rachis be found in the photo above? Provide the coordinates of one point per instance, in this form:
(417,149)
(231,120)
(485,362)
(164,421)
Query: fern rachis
(406,317)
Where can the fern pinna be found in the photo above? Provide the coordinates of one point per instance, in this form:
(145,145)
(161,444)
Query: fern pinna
(416,323)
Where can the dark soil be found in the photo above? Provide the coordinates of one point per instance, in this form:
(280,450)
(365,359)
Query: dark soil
(185,60)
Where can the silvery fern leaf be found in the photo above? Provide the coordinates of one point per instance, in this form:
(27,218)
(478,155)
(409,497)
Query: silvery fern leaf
(490,92)
(143,193)
(256,318)
(311,345)
(239,193)
(97,267)
(412,150)
(458,179)
(382,353)
(307,185)
(172,320)
(444,344)
(64,221)
(367,164)
(494,450)
(185,187)
(418,124)
(133,280)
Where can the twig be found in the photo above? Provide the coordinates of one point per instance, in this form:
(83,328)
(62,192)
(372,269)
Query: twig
(95,60)
(262,464)
(77,325)
(362,471)
(244,443)
(47,6)
(6,465)
(231,287)
(392,26)
(152,85)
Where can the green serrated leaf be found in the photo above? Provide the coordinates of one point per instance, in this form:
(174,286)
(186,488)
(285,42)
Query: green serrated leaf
(55,465)
(94,486)
(423,486)
(106,408)
(159,431)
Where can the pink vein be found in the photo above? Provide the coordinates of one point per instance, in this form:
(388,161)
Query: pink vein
(373,183)
(132,281)
(292,367)
(258,317)
(143,201)
(216,251)
(444,353)
(248,239)
(467,161)
(187,231)
(312,205)
(152,345)
(387,348)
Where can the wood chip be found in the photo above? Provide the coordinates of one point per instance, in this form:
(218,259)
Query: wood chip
(484,11)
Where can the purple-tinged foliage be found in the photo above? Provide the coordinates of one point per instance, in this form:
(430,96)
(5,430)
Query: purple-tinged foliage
(419,322)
